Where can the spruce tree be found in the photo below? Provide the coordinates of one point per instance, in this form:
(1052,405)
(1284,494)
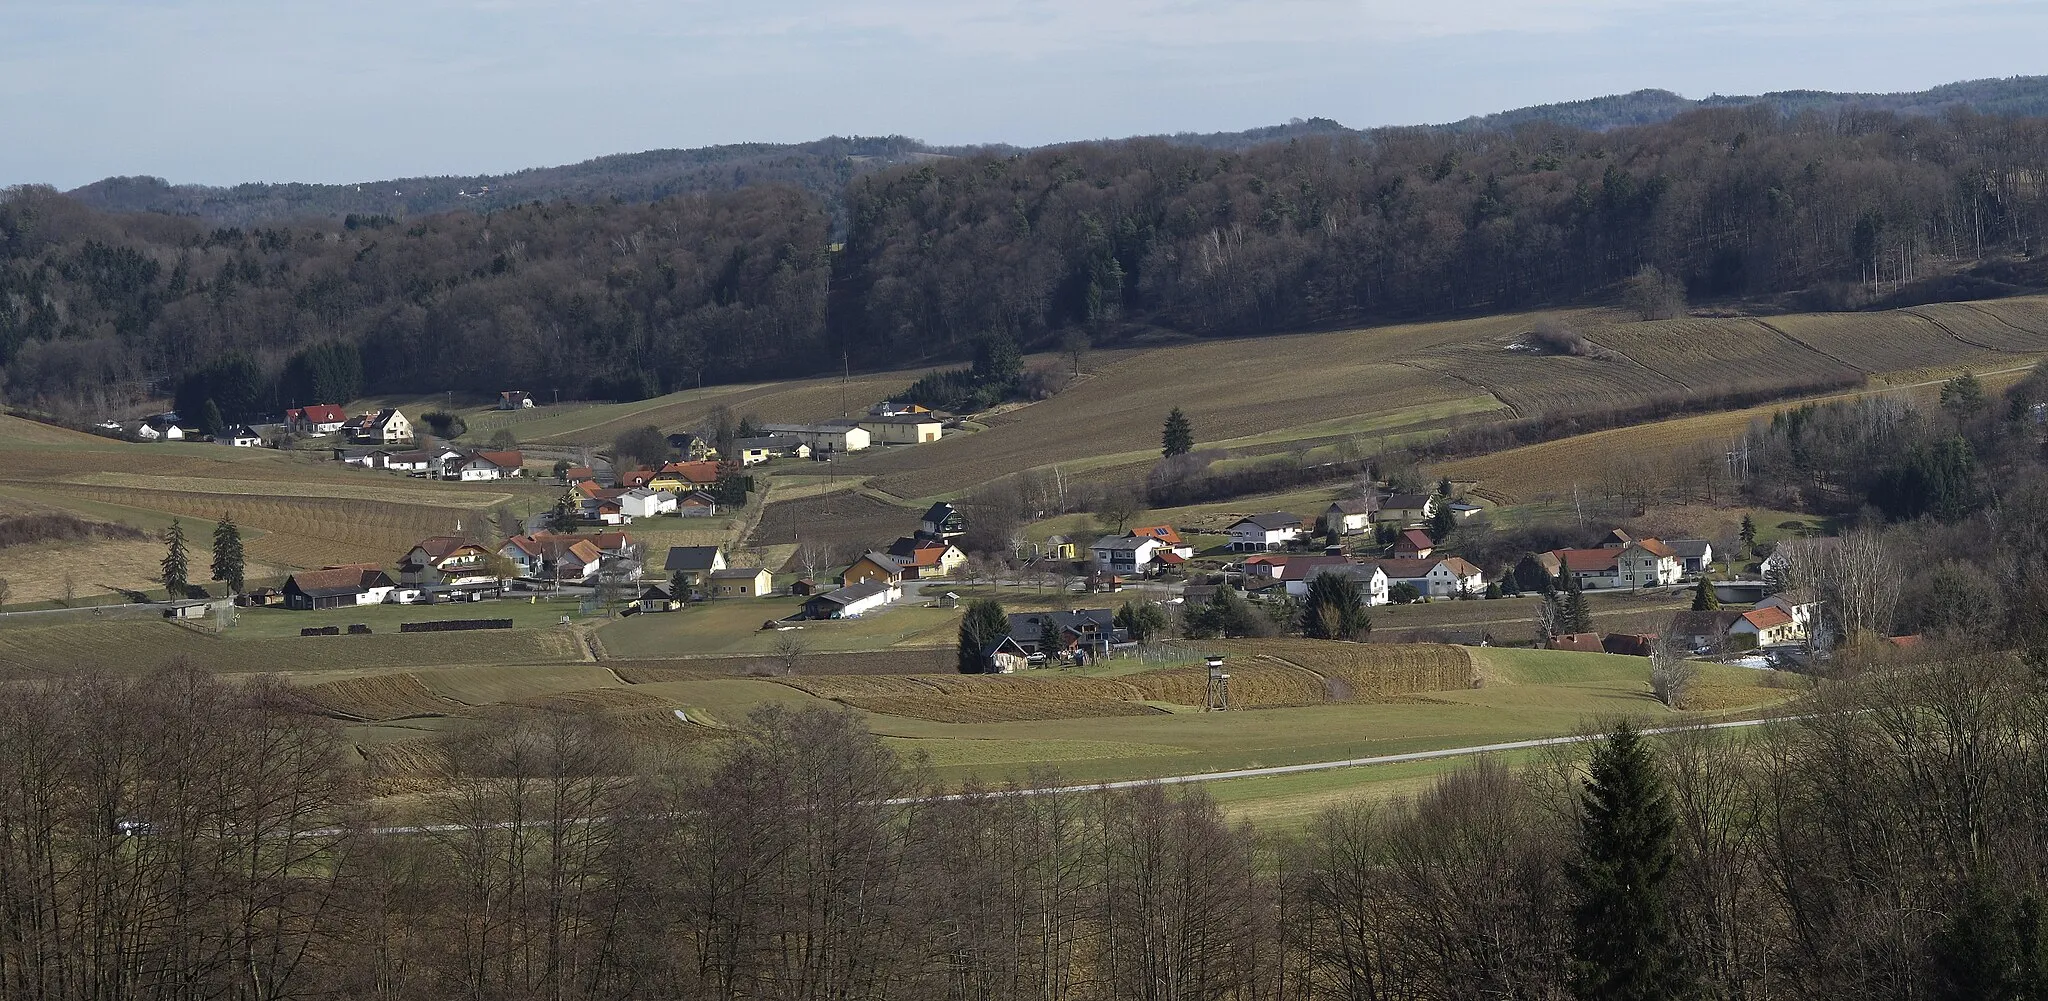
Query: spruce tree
(1703,597)
(1178,437)
(1748,531)
(229,564)
(1578,616)
(983,624)
(175,565)
(1624,943)
(1333,609)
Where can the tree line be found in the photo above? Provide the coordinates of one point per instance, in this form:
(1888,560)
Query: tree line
(176,836)
(615,299)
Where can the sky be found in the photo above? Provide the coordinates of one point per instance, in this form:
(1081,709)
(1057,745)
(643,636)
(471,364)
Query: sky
(226,91)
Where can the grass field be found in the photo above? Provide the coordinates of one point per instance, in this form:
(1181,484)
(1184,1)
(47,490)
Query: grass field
(733,626)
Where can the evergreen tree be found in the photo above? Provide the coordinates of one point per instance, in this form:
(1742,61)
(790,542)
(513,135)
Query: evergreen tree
(1624,943)
(1334,609)
(1048,637)
(229,566)
(1578,615)
(1178,437)
(984,623)
(1703,597)
(1748,531)
(210,420)
(1441,523)
(175,565)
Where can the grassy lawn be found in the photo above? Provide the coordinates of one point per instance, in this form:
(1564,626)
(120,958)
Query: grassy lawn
(733,625)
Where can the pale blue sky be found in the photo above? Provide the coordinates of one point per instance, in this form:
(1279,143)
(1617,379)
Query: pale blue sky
(220,91)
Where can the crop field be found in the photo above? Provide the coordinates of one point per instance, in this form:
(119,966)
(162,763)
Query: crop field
(733,626)
(379,697)
(793,401)
(1544,384)
(1256,685)
(901,660)
(1709,355)
(849,521)
(30,651)
(2017,327)
(998,708)
(498,683)
(1895,341)
(1363,671)
(297,532)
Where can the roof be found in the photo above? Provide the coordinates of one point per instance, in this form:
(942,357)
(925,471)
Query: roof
(1581,642)
(738,573)
(1587,560)
(503,460)
(1703,623)
(697,498)
(337,581)
(924,418)
(635,477)
(938,513)
(1362,505)
(1656,548)
(611,542)
(1409,501)
(237,431)
(578,473)
(995,648)
(1114,542)
(1415,569)
(768,442)
(1416,539)
(1100,620)
(1164,533)
(319,413)
(700,471)
(1769,617)
(1269,521)
(807,428)
(642,493)
(1305,567)
(849,595)
(690,558)
(1691,549)
(883,560)
(1171,557)
(442,545)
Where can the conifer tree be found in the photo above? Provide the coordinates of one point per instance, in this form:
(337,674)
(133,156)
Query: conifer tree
(1578,616)
(229,564)
(176,566)
(983,624)
(1334,609)
(1624,943)
(1703,597)
(1178,437)
(1748,531)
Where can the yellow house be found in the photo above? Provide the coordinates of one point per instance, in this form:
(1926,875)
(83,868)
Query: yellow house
(1059,547)
(874,568)
(740,582)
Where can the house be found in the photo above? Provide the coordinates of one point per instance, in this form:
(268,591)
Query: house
(1169,539)
(238,435)
(432,461)
(803,587)
(1648,563)
(376,458)
(888,408)
(1577,643)
(694,564)
(923,558)
(1123,554)
(336,587)
(564,559)
(447,560)
(1413,544)
(1435,577)
(873,567)
(1349,517)
(141,431)
(1462,512)
(1407,510)
(1089,630)
(825,439)
(1767,626)
(1372,580)
(740,582)
(645,503)
(513,399)
(1059,547)
(1701,632)
(899,429)
(634,478)
(1289,567)
(485,466)
(659,596)
(262,597)
(383,427)
(1262,532)
(680,476)
(1004,656)
(754,451)
(942,521)
(598,501)
(1802,606)
(690,446)
(853,601)
(577,474)
(696,504)
(1695,556)
(1592,568)
(320,418)
(1629,644)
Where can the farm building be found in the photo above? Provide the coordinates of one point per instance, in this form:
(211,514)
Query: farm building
(1372,580)
(898,429)
(336,587)
(645,503)
(1435,578)
(238,435)
(382,427)
(922,558)
(447,560)
(1694,555)
(514,399)
(1350,517)
(1091,630)
(1413,544)
(1004,656)
(1262,532)
(1577,643)
(942,521)
(1406,510)
(851,602)
(320,418)
(485,466)
(1123,554)
(757,450)
(825,439)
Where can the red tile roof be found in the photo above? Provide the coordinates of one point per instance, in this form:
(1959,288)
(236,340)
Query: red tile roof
(1164,533)
(1587,560)
(1768,618)
(318,413)
(1580,642)
(1657,548)
(699,472)
(1415,540)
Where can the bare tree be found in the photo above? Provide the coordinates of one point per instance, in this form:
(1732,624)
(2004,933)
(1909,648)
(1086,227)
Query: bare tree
(1117,508)
(1671,672)
(790,649)
(1856,577)
(814,557)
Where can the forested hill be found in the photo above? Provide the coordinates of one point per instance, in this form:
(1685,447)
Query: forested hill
(823,167)
(614,299)
(2020,95)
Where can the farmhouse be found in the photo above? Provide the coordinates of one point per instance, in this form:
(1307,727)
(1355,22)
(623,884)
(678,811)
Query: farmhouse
(1648,563)
(485,466)
(563,559)
(871,568)
(383,427)
(1004,656)
(645,503)
(1290,567)
(899,429)
(693,565)
(446,560)
(1124,554)
(238,435)
(1407,510)
(1702,632)
(890,408)
(754,451)
(514,399)
(1593,568)
(1413,544)
(1262,532)
(1694,555)
(1435,578)
(1350,517)
(1169,540)
(336,587)
(1767,626)
(690,446)
(740,582)
(681,476)
(696,504)
(922,558)
(1089,630)
(851,602)
(320,418)
(1372,580)
(1802,606)
(942,521)
(825,439)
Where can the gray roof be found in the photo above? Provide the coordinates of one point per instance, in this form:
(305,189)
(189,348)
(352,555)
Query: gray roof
(849,595)
(938,513)
(737,573)
(883,560)
(1271,520)
(1363,505)
(690,558)
(1409,501)
(1121,542)
(1690,548)
(900,419)
(806,428)
(768,442)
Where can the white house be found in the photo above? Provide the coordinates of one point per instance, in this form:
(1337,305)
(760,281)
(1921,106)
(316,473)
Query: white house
(757,450)
(317,419)
(901,429)
(1648,563)
(1351,517)
(384,427)
(1373,583)
(1801,606)
(852,601)
(1694,555)
(1766,626)
(1262,532)
(1435,578)
(238,435)
(485,466)
(1124,554)
(644,503)
(825,438)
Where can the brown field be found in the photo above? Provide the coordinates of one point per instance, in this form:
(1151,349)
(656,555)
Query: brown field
(46,651)
(379,697)
(1545,384)
(998,708)
(848,521)
(900,660)
(1897,341)
(297,532)
(856,686)
(793,401)
(1257,685)
(495,683)
(2013,325)
(15,429)
(1731,356)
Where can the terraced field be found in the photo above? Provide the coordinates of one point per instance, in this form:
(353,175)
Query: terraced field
(1722,356)
(2014,325)
(1889,342)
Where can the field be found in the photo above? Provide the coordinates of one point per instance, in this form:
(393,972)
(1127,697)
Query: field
(794,401)
(1734,356)
(849,521)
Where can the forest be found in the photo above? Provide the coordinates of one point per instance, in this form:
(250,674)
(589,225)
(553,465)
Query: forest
(618,299)
(179,837)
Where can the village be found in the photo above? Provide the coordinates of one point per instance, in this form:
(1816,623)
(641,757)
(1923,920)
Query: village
(1386,545)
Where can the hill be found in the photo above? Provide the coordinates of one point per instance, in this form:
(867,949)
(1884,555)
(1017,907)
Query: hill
(2020,95)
